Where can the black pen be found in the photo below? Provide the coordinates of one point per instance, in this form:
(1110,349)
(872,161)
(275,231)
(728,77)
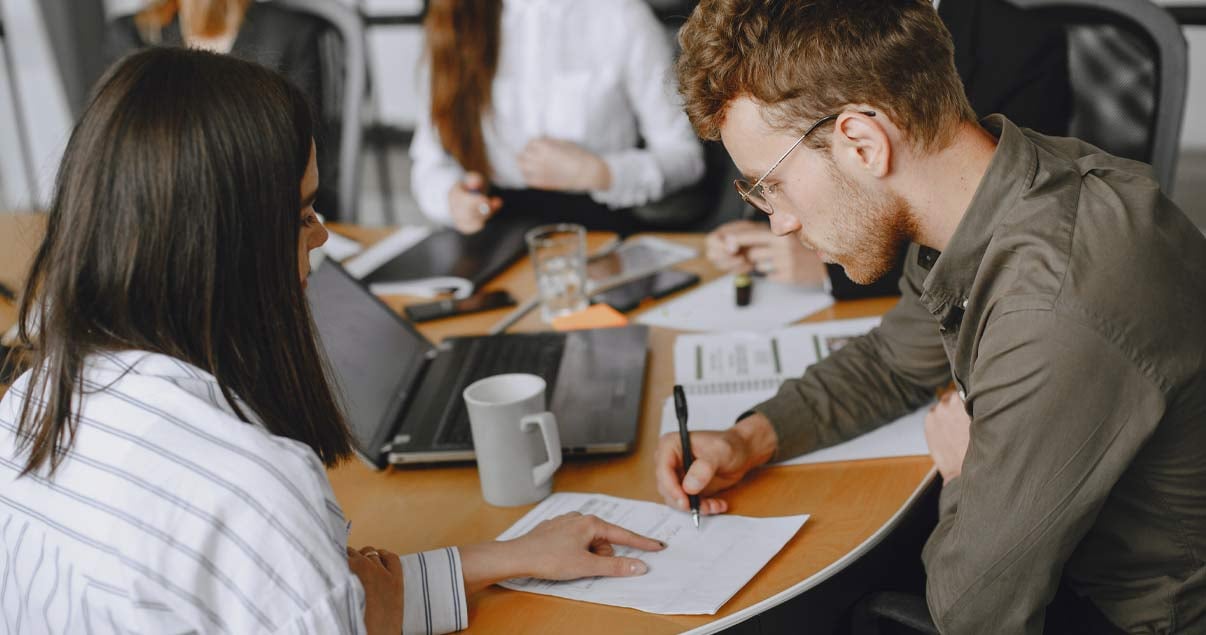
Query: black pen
(680,409)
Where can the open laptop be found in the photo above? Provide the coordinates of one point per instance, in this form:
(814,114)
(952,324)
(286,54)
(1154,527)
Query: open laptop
(402,394)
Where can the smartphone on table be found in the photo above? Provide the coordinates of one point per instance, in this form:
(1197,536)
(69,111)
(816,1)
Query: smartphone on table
(447,308)
(628,296)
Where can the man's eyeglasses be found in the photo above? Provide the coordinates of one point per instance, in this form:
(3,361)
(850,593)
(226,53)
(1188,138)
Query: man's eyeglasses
(760,195)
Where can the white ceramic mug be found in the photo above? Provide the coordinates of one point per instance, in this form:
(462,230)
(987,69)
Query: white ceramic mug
(504,410)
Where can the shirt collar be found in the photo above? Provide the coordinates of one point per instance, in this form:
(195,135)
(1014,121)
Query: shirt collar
(183,375)
(1013,165)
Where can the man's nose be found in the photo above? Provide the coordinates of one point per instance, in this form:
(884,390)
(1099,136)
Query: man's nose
(783,223)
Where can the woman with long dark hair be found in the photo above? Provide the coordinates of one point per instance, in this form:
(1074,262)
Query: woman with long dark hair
(162,463)
(561,111)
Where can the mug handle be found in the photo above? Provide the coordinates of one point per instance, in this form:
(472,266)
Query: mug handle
(552,444)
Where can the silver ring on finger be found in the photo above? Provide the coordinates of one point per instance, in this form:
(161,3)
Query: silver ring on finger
(483,209)
(766,266)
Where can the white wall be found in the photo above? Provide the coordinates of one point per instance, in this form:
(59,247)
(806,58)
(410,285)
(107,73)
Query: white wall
(42,99)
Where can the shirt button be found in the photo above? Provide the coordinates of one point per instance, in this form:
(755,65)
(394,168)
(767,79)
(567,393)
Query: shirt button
(964,303)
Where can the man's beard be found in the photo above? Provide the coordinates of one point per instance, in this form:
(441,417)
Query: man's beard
(871,230)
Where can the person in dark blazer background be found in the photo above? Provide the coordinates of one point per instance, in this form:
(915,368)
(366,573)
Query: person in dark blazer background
(1011,61)
(274,36)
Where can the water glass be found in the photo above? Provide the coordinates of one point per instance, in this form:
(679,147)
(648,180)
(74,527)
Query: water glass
(559,260)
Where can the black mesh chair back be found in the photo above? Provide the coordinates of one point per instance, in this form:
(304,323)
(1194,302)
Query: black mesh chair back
(344,80)
(1128,64)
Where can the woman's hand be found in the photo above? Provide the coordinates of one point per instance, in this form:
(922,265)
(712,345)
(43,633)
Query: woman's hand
(469,206)
(380,573)
(563,548)
(564,166)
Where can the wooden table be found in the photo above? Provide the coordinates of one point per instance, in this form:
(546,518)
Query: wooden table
(853,504)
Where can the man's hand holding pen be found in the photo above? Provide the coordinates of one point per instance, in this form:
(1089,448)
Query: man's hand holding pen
(722,458)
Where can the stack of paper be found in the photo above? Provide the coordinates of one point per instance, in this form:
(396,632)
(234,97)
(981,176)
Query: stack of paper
(697,572)
(725,375)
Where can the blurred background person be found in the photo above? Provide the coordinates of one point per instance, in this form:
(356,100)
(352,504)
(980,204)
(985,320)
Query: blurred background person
(552,111)
(286,41)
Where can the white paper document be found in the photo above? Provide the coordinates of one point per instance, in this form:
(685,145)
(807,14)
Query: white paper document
(697,572)
(712,307)
(726,374)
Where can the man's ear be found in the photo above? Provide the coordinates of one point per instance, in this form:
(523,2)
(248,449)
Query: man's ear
(861,143)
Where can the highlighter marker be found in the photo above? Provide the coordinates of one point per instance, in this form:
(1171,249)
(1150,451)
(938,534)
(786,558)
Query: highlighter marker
(744,286)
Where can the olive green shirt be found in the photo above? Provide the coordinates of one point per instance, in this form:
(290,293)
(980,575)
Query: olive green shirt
(1069,308)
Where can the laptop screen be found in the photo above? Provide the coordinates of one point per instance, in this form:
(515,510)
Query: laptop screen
(373,361)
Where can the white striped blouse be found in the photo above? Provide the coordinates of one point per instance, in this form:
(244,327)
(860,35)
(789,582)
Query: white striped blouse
(171,515)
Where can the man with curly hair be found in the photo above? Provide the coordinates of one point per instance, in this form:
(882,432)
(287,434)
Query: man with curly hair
(1055,285)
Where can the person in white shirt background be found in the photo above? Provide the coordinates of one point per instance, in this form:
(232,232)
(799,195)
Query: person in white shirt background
(162,462)
(537,108)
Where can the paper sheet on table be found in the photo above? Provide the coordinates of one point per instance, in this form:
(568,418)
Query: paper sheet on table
(903,437)
(695,575)
(712,307)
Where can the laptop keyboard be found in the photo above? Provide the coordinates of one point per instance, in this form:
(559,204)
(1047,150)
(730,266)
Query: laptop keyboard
(538,354)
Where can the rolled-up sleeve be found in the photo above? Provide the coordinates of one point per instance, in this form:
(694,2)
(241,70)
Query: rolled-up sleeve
(672,157)
(1047,446)
(870,381)
(434,593)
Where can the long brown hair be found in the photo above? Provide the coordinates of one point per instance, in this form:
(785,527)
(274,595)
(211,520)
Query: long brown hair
(174,229)
(206,18)
(462,43)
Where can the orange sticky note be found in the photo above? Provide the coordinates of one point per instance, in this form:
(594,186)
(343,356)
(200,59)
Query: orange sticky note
(596,316)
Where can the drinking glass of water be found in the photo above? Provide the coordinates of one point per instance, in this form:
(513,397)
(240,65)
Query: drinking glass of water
(559,260)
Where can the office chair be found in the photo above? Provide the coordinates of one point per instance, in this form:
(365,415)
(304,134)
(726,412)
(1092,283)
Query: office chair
(344,74)
(1128,64)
